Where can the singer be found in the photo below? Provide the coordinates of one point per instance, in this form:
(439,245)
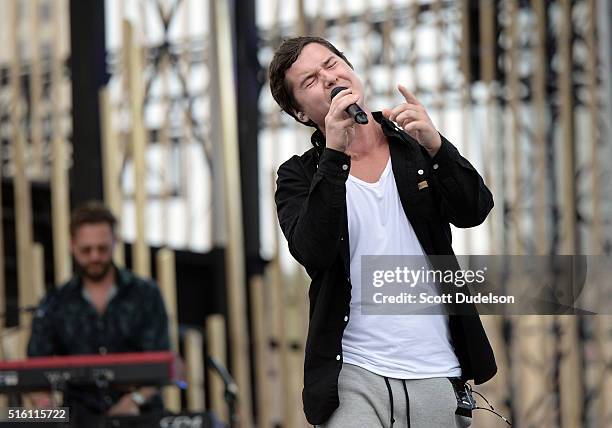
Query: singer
(387,187)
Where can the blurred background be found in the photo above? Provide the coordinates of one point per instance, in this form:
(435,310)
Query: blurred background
(161,109)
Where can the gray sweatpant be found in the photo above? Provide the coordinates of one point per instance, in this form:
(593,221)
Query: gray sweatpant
(365,401)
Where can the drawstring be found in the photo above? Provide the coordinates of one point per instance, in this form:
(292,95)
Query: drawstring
(407,404)
(390,399)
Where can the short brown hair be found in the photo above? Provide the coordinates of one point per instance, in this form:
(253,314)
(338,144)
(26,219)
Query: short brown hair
(91,212)
(283,59)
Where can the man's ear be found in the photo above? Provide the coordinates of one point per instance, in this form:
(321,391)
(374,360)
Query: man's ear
(302,117)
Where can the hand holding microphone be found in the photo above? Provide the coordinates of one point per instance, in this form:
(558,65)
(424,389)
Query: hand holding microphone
(353,110)
(340,121)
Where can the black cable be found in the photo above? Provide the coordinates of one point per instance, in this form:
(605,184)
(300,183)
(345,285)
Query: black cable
(492,409)
(483,397)
(494,412)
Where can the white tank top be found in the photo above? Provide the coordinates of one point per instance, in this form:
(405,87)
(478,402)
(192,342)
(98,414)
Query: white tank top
(396,346)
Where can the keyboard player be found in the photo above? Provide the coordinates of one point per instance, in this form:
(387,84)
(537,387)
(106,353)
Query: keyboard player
(101,309)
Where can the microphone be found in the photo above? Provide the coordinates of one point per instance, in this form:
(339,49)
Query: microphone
(231,389)
(353,110)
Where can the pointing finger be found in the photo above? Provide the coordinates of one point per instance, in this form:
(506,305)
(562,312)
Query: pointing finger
(408,95)
(396,111)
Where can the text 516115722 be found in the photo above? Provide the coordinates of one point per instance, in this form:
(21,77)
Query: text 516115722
(23,414)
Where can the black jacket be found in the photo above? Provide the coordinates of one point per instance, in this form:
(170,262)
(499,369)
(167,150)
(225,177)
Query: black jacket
(311,206)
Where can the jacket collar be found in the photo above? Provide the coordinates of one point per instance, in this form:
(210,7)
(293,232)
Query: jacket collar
(123,277)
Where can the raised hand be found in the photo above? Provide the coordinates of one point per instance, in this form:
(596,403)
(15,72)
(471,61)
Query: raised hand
(413,119)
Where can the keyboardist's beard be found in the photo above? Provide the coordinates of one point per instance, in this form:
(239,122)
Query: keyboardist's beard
(83,272)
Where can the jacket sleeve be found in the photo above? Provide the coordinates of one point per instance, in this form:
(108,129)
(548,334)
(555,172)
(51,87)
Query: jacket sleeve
(155,333)
(43,338)
(463,198)
(311,213)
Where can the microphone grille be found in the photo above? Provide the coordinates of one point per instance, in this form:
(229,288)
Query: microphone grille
(335,91)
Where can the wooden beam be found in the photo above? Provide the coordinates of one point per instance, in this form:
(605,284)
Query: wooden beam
(499,386)
(493,168)
(235,274)
(566,119)
(387,40)
(37,264)
(439,96)
(194,370)
(166,147)
(540,128)
(466,99)
(215,344)
(603,400)
(213,87)
(301,29)
(141,256)
(60,197)
(260,342)
(3,399)
(35,77)
(604,390)
(570,370)
(35,293)
(111,171)
(2,277)
(279,320)
(166,278)
(21,184)
(513,142)
(597,228)
(319,23)
(275,305)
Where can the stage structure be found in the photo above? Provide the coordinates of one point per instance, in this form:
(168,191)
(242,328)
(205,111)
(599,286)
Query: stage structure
(523,90)
(166,114)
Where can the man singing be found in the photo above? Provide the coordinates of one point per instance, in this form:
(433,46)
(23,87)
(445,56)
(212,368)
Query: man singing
(388,187)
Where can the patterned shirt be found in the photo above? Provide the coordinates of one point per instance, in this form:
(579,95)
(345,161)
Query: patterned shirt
(66,323)
(135,320)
